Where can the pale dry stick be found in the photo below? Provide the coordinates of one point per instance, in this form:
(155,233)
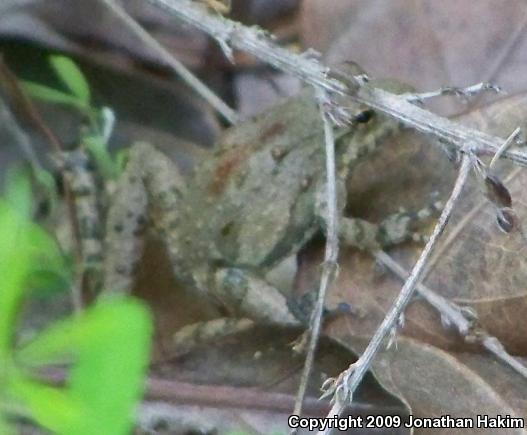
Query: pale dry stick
(349,380)
(454,314)
(447,131)
(331,251)
(492,344)
(449,310)
(466,92)
(230,34)
(508,142)
(252,40)
(184,73)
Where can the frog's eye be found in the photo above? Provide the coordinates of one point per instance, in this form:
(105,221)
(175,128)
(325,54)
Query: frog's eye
(364,116)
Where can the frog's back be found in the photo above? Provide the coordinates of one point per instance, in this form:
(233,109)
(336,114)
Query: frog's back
(254,198)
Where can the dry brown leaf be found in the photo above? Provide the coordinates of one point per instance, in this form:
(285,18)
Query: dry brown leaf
(245,371)
(88,29)
(483,267)
(426,43)
(437,383)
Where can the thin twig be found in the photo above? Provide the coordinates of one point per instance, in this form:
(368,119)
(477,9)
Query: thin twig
(331,252)
(178,392)
(448,309)
(25,105)
(464,93)
(255,41)
(512,138)
(184,73)
(493,345)
(349,380)
(456,316)
(447,131)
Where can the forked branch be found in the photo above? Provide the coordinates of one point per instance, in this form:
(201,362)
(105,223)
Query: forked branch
(343,387)
(454,315)
(233,35)
(331,253)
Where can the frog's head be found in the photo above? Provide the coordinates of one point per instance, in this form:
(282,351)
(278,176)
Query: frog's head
(361,138)
(368,129)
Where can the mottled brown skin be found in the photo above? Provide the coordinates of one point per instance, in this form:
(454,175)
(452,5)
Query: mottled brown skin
(255,201)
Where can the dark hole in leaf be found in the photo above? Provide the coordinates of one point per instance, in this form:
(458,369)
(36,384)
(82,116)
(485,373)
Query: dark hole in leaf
(506,219)
(497,193)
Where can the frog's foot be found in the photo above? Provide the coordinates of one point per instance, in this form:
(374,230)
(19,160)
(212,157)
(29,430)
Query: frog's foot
(300,344)
(397,228)
(198,334)
(303,308)
(251,296)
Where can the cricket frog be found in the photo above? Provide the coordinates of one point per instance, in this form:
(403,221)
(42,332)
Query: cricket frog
(257,199)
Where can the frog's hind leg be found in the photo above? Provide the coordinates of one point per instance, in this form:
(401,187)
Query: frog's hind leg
(148,189)
(244,294)
(251,296)
(207,332)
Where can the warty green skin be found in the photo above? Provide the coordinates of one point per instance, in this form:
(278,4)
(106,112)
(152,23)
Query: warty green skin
(255,201)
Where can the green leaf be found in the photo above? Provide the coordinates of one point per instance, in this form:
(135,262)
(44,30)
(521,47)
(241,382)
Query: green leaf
(51,407)
(121,157)
(23,246)
(72,77)
(102,157)
(5,429)
(18,190)
(50,95)
(14,264)
(109,345)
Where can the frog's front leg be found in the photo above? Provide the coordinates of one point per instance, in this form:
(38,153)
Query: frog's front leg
(149,190)
(397,228)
